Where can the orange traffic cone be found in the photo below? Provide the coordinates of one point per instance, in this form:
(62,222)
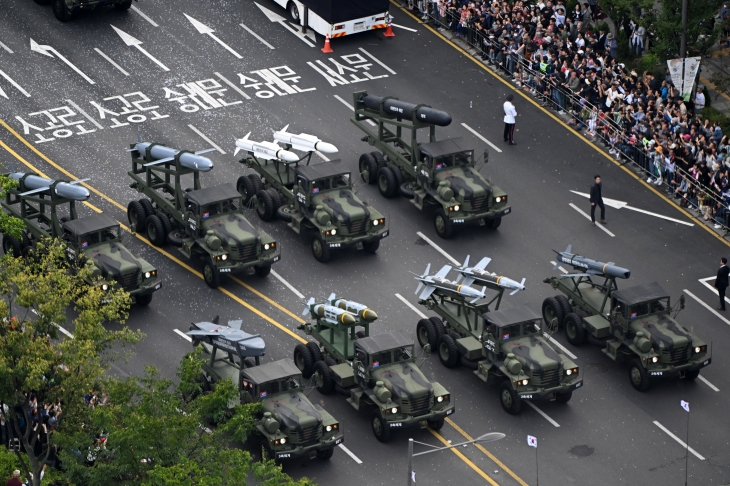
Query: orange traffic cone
(389,29)
(327,48)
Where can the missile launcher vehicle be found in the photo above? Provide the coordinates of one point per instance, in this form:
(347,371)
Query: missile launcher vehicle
(204,223)
(436,175)
(316,200)
(92,240)
(507,348)
(288,426)
(633,325)
(377,374)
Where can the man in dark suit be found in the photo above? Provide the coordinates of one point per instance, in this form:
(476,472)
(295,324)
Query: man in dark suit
(721,281)
(597,200)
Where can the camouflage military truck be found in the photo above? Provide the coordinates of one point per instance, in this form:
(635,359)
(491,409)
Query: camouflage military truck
(65,10)
(503,347)
(206,224)
(633,325)
(436,175)
(93,240)
(378,374)
(289,425)
(316,201)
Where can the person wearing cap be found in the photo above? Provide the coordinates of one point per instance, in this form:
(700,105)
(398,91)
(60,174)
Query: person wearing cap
(509,120)
(597,200)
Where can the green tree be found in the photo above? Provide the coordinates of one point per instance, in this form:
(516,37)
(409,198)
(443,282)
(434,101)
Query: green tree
(9,225)
(667,27)
(618,10)
(35,296)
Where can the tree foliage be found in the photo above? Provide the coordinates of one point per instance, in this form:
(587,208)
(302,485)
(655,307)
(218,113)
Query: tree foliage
(9,225)
(666,23)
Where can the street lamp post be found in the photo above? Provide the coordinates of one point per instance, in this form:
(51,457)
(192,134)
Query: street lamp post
(490,437)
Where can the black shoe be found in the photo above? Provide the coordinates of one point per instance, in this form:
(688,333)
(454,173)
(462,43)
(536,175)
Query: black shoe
(513,143)
(721,308)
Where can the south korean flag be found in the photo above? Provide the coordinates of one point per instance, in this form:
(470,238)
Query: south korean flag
(532,441)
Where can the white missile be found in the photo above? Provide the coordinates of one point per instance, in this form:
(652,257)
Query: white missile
(265,150)
(330,313)
(356,308)
(438,281)
(304,142)
(479,274)
(68,190)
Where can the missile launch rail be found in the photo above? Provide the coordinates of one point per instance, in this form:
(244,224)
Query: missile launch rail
(206,224)
(378,374)
(92,240)
(437,175)
(633,325)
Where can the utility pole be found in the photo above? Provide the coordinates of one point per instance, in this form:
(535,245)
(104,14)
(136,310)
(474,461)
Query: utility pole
(683,42)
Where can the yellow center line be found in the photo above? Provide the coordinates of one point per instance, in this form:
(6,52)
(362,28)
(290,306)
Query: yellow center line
(272,302)
(464,458)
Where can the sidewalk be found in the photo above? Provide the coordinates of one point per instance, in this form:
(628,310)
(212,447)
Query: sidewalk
(719,62)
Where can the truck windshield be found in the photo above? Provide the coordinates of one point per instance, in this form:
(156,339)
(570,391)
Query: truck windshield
(383,358)
(320,185)
(110,234)
(267,389)
(646,308)
(402,354)
(342,180)
(291,383)
(452,160)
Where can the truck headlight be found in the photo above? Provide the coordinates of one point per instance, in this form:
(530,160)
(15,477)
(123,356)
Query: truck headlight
(331,232)
(654,359)
(147,274)
(568,372)
(454,208)
(394,410)
(222,257)
(498,199)
(377,222)
(442,398)
(104,287)
(571,371)
(525,382)
(697,349)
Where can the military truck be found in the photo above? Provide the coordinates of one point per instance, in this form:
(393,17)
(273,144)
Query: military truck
(378,374)
(288,426)
(203,223)
(504,347)
(94,241)
(316,201)
(65,10)
(633,325)
(435,175)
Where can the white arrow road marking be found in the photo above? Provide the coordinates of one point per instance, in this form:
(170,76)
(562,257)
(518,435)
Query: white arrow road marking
(204,29)
(233,86)
(545,416)
(706,283)
(11,81)
(204,137)
(276,18)
(481,138)
(616,204)
(439,249)
(6,48)
(86,115)
(587,216)
(111,61)
(349,453)
(376,60)
(680,441)
(47,50)
(404,28)
(261,39)
(132,42)
(135,9)
(338,98)
(183,335)
(287,285)
(411,306)
(706,306)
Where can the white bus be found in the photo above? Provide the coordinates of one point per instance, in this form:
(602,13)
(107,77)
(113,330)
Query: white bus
(338,17)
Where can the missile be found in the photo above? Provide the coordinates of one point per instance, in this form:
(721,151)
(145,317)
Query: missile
(591,267)
(330,313)
(358,309)
(68,190)
(438,281)
(229,338)
(304,142)
(265,150)
(402,109)
(161,154)
(478,273)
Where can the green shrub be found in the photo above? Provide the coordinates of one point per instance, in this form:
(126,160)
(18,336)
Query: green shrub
(714,115)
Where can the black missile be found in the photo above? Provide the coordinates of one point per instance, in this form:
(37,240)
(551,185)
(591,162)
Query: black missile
(405,110)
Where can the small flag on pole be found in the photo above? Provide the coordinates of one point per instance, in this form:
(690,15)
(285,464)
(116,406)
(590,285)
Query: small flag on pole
(413,476)
(685,405)
(532,441)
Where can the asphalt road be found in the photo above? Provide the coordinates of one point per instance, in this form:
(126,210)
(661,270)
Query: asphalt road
(82,111)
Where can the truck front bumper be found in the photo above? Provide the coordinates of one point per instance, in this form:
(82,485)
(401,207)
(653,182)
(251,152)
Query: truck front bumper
(404,421)
(660,371)
(537,393)
(346,241)
(481,218)
(146,289)
(237,266)
(310,450)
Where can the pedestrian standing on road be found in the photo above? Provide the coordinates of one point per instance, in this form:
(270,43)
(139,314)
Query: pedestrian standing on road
(721,281)
(597,200)
(509,120)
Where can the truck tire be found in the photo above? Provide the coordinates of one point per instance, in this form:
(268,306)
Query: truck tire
(149,210)
(442,224)
(211,274)
(136,216)
(565,305)
(508,397)
(380,426)
(328,383)
(265,206)
(166,224)
(552,314)
(691,374)
(326,454)
(143,300)
(249,363)
(320,249)
(293,11)
(284,213)
(276,197)
(387,182)
(406,191)
(575,333)
(398,178)
(360,334)
(303,360)
(638,375)
(564,397)
(175,237)
(61,11)
(437,424)
(494,223)
(155,230)
(426,333)
(368,168)
(11,246)
(471,364)
(448,354)
(438,325)
(246,189)
(258,184)
(314,351)
(371,246)
(262,270)
(379,159)
(125,5)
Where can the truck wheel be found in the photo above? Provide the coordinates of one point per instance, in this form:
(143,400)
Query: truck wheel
(639,376)
(552,313)
(328,383)
(371,246)
(426,333)
(61,11)
(379,159)
(387,182)
(368,168)
(314,351)
(175,237)
(471,364)
(143,300)
(406,191)
(293,11)
(438,325)
(149,210)
(303,360)
(444,227)
(285,213)
(246,189)
(564,397)
(691,374)
(565,305)
(166,224)
(155,230)
(321,250)
(262,270)
(381,428)
(211,274)
(265,206)
(398,178)
(437,424)
(575,333)
(125,5)
(136,216)
(276,197)
(326,454)
(258,184)
(494,223)
(11,246)
(448,354)
(511,401)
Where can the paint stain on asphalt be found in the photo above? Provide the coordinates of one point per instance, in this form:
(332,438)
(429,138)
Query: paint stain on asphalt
(582,450)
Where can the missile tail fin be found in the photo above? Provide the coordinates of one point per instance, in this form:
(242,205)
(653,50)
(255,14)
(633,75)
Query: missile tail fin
(458,278)
(236,151)
(483,263)
(466,262)
(420,286)
(139,137)
(567,250)
(307,307)
(235,324)
(468,281)
(216,319)
(284,129)
(523,281)
(444,271)
(428,269)
(514,291)
(246,137)
(427,292)
(332,295)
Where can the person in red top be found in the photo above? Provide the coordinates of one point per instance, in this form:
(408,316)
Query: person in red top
(15,480)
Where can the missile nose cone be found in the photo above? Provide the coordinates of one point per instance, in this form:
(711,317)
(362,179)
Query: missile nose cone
(326,148)
(369,315)
(287,156)
(348,319)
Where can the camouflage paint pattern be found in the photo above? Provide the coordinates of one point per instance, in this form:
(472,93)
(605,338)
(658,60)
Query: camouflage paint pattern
(468,186)
(404,380)
(233,229)
(663,332)
(114,260)
(344,207)
(538,355)
(293,410)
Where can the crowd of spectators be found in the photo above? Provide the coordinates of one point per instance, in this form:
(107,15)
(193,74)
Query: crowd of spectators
(569,62)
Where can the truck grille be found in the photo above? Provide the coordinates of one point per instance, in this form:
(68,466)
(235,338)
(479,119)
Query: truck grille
(676,355)
(306,434)
(478,203)
(548,377)
(357,227)
(417,406)
(242,252)
(129,281)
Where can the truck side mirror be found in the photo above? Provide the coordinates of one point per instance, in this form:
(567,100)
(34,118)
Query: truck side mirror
(485,156)
(681,301)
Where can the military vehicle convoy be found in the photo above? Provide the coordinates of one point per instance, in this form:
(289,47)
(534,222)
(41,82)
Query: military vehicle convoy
(633,325)
(64,10)
(205,224)
(435,175)
(504,347)
(316,200)
(378,373)
(288,426)
(94,240)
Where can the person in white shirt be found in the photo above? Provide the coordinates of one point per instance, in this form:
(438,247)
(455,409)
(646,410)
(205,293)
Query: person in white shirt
(509,120)
(699,99)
